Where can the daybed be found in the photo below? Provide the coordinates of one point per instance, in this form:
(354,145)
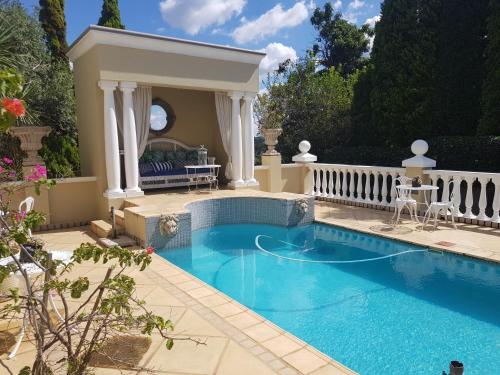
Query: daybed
(163,165)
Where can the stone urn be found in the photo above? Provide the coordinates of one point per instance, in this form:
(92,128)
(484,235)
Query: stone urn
(31,141)
(271,139)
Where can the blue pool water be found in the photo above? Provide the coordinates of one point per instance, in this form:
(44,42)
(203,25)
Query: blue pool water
(409,314)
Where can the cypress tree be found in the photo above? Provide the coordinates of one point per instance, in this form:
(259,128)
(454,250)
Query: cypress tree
(110,15)
(52,19)
(461,65)
(404,60)
(490,121)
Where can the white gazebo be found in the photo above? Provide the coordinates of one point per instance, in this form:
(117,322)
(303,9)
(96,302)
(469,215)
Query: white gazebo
(118,72)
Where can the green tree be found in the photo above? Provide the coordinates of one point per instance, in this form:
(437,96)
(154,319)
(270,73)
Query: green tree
(490,121)
(404,58)
(54,23)
(340,44)
(49,92)
(315,106)
(110,15)
(461,65)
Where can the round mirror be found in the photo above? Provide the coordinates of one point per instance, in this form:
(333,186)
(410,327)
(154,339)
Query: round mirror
(162,117)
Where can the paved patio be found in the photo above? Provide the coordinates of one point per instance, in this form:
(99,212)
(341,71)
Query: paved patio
(467,239)
(237,339)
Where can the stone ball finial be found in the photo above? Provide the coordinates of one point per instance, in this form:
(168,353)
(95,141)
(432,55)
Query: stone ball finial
(304,147)
(419,147)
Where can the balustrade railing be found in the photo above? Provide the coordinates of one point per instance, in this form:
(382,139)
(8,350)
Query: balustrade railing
(356,183)
(476,195)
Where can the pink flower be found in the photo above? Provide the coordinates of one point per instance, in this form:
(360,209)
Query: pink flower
(11,174)
(14,106)
(150,250)
(7,161)
(37,173)
(20,216)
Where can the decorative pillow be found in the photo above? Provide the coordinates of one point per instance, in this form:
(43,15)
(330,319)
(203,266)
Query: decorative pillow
(180,155)
(162,166)
(170,155)
(147,156)
(192,155)
(158,155)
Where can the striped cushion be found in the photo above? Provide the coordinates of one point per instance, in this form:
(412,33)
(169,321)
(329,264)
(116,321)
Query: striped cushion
(162,166)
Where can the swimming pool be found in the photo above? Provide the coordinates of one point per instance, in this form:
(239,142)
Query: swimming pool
(410,314)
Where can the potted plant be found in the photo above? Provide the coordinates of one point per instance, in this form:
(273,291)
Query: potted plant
(269,120)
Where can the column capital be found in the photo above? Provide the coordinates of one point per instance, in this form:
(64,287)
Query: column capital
(249,96)
(108,85)
(235,95)
(128,86)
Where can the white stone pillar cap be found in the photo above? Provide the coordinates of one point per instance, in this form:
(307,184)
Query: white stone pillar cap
(304,156)
(128,86)
(419,148)
(235,94)
(108,85)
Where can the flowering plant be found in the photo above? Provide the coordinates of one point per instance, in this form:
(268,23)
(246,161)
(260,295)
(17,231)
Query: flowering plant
(11,108)
(90,315)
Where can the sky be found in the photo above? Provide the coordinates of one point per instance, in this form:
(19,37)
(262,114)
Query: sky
(280,28)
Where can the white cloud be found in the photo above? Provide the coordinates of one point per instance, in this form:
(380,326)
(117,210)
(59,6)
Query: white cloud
(270,23)
(356,4)
(337,5)
(192,16)
(276,53)
(351,17)
(372,21)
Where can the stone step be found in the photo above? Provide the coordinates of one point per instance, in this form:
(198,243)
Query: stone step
(103,228)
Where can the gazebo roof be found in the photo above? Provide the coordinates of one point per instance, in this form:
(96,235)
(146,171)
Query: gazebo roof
(99,35)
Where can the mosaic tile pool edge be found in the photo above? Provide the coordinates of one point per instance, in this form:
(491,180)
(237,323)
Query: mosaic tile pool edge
(233,210)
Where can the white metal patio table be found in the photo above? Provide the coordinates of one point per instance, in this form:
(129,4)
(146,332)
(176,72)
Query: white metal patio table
(417,189)
(212,176)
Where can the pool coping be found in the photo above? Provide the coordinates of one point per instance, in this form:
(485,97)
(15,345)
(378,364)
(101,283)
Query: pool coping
(261,337)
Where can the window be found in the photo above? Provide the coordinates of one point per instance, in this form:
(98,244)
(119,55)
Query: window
(162,117)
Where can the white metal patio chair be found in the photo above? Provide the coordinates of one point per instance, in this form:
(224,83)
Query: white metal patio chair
(445,207)
(26,206)
(403,199)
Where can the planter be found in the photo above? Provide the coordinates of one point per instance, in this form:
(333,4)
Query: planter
(271,140)
(31,141)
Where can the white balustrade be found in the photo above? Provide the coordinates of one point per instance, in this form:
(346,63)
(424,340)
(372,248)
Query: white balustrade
(337,185)
(470,195)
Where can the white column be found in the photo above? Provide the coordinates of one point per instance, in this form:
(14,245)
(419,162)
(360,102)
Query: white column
(248,141)
(111,150)
(236,141)
(130,140)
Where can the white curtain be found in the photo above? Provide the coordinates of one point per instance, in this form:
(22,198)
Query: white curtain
(142,97)
(223,108)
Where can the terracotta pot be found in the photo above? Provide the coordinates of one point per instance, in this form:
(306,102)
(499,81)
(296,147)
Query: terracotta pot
(271,140)
(31,141)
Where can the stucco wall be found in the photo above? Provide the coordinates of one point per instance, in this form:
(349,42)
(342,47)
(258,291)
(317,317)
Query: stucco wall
(292,177)
(70,202)
(122,63)
(73,201)
(90,123)
(262,175)
(196,120)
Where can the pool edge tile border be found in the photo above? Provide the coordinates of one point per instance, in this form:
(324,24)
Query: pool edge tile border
(274,362)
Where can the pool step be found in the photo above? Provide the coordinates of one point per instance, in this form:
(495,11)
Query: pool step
(104,229)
